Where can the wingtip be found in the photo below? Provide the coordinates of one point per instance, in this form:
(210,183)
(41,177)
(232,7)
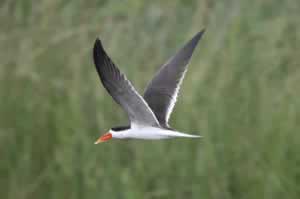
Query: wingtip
(98,51)
(98,48)
(199,34)
(98,43)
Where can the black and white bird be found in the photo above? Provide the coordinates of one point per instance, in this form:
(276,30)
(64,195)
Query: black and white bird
(149,114)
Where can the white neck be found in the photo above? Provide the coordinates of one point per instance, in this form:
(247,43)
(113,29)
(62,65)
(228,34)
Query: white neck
(120,134)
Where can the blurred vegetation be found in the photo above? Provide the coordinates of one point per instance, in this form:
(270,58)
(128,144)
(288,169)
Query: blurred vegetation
(241,93)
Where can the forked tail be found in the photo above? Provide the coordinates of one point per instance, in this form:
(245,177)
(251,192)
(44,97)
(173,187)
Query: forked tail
(180,134)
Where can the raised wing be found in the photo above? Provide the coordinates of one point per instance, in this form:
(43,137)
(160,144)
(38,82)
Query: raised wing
(161,92)
(121,89)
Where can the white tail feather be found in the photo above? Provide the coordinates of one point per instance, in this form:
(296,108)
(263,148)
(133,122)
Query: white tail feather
(179,134)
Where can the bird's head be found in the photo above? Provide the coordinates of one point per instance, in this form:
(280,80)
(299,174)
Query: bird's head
(120,132)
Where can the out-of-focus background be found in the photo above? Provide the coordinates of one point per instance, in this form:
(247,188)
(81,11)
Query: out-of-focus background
(242,93)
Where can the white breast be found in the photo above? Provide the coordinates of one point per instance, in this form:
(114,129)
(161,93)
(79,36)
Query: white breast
(149,133)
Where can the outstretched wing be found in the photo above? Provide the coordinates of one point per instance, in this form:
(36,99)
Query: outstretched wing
(161,92)
(121,89)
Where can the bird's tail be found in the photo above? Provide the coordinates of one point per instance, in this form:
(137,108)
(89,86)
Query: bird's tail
(180,134)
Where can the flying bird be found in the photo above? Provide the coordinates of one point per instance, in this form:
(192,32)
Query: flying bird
(148,114)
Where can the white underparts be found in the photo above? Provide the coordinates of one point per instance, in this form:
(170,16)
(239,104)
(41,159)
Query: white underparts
(149,133)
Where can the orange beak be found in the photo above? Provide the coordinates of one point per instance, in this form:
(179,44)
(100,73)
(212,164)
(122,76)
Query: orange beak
(104,138)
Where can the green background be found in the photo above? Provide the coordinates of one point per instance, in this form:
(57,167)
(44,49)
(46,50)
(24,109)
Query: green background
(242,93)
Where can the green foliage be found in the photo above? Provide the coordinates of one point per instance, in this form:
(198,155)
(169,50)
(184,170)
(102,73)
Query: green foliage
(241,93)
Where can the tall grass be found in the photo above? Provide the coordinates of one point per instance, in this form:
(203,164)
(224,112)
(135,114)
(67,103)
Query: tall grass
(241,93)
